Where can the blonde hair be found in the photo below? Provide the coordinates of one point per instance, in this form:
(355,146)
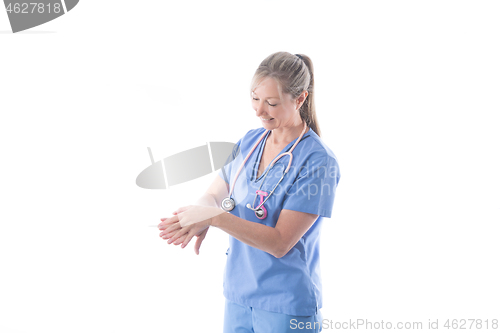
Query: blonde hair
(293,74)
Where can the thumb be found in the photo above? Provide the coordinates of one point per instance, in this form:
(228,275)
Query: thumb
(180,210)
(199,240)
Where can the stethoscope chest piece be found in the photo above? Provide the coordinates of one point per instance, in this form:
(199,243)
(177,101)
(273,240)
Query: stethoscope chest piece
(261,213)
(228,204)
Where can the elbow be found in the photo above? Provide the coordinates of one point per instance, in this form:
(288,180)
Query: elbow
(280,251)
(278,255)
(211,199)
(281,247)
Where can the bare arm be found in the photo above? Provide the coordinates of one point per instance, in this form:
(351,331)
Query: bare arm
(214,194)
(291,226)
(277,241)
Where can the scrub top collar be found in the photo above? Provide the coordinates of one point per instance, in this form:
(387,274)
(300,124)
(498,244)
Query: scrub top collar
(258,157)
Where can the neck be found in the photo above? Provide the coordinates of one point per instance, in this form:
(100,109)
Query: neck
(284,135)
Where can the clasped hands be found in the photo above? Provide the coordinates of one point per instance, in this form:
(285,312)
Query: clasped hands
(187,222)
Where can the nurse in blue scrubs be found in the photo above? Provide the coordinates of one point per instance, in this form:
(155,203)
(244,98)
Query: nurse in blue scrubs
(275,192)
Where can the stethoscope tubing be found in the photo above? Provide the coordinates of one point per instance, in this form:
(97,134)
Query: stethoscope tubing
(245,161)
(270,167)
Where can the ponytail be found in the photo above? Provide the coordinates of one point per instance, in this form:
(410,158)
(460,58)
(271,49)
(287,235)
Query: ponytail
(308,108)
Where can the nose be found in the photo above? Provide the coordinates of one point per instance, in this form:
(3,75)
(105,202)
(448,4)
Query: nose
(260,109)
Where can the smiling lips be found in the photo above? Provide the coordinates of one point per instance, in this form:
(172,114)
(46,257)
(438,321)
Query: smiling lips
(264,119)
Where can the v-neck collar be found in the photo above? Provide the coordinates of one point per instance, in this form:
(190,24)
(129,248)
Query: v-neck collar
(258,158)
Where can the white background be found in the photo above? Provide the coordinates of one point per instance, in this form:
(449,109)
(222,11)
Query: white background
(407,97)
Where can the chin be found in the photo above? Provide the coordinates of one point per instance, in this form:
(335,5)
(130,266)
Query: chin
(268,126)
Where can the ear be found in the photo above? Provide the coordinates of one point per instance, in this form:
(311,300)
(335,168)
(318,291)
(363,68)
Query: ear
(300,100)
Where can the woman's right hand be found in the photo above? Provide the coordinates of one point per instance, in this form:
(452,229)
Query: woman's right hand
(199,240)
(176,234)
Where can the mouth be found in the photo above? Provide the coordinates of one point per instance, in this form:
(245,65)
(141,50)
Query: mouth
(266,120)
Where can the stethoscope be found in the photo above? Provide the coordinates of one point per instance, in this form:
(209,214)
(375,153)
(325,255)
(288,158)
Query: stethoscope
(228,203)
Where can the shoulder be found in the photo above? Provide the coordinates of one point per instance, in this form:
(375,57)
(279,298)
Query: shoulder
(253,133)
(251,136)
(316,149)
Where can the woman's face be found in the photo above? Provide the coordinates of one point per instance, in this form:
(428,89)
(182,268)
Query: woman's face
(272,112)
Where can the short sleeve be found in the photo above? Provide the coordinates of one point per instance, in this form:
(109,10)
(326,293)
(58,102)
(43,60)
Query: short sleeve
(313,191)
(225,171)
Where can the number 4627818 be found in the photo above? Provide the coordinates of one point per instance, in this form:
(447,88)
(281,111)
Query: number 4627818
(33,8)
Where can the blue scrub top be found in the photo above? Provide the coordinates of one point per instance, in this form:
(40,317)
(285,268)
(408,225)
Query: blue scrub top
(252,277)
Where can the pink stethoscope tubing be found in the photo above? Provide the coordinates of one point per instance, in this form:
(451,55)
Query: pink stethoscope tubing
(259,192)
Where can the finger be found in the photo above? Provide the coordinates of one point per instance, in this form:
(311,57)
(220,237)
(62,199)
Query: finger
(170,233)
(180,239)
(175,226)
(167,235)
(168,221)
(170,227)
(170,230)
(178,234)
(188,238)
(171,219)
(163,226)
(199,240)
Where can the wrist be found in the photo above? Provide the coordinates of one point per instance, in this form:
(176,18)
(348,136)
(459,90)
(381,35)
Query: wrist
(215,220)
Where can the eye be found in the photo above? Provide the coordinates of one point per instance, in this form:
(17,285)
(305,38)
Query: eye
(256,99)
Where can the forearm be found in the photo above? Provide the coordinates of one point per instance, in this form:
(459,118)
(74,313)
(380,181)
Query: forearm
(260,236)
(207,200)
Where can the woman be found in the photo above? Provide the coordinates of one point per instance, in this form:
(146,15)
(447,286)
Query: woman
(272,279)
